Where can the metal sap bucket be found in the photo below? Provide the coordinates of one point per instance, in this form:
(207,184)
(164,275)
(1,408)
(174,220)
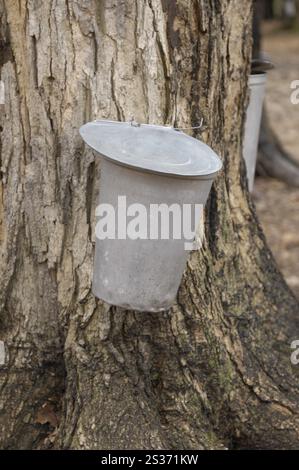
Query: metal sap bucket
(145,165)
(257,85)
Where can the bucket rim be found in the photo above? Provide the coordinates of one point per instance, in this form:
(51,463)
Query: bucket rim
(256,79)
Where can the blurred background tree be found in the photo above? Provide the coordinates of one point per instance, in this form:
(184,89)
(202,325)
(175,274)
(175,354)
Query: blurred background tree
(274,160)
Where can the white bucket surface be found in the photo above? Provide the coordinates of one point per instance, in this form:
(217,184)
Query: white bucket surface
(257,85)
(146,165)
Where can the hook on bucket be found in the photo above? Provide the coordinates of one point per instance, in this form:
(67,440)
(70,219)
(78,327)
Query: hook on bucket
(189,128)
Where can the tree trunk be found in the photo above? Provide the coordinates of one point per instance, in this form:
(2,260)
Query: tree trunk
(215,370)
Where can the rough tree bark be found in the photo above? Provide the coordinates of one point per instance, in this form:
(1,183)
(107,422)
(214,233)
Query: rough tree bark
(215,370)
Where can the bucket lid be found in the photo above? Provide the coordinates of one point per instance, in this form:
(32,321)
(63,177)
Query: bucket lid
(261,65)
(150,148)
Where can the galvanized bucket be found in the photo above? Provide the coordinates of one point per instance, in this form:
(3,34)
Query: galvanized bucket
(145,166)
(257,85)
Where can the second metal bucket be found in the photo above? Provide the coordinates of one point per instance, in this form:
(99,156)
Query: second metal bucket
(257,85)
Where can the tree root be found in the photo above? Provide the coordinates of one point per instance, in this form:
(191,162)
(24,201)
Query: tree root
(273,160)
